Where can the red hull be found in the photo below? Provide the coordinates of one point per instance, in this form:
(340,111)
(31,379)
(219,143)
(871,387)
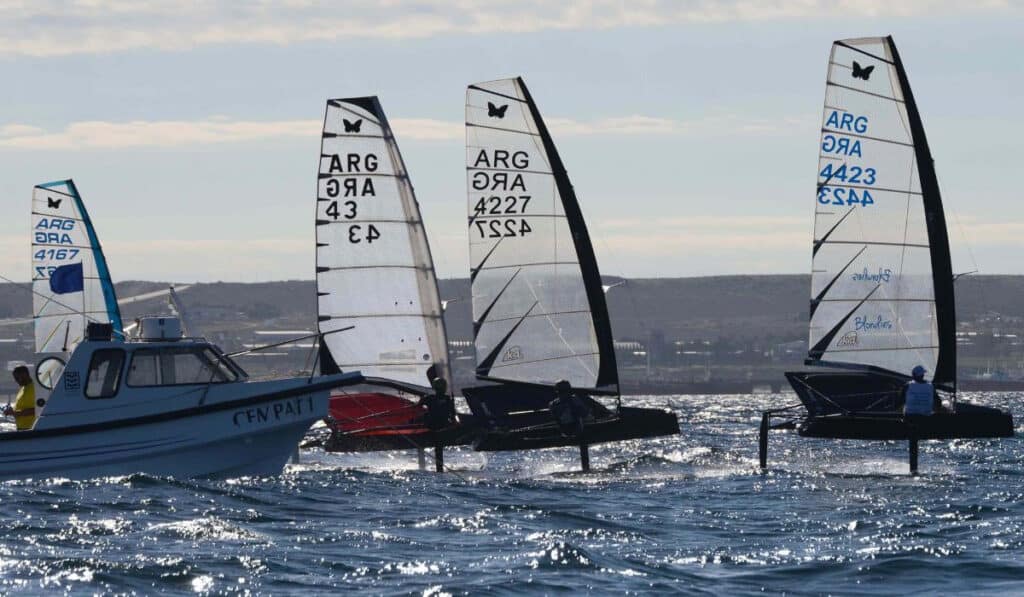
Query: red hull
(373,413)
(372,421)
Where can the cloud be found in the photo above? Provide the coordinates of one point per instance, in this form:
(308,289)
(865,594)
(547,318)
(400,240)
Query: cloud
(60,27)
(99,134)
(179,133)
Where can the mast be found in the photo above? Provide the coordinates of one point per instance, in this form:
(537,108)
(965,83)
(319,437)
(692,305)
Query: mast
(942,268)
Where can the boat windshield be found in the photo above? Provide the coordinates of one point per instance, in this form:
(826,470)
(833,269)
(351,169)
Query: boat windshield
(179,365)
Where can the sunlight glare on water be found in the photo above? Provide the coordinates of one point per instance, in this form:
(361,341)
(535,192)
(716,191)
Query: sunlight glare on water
(686,513)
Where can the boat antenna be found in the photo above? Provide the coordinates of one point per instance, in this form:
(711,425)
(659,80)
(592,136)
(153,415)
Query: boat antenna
(67,332)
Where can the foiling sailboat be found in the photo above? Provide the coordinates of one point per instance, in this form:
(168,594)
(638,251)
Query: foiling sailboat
(374,271)
(542,333)
(157,403)
(882,285)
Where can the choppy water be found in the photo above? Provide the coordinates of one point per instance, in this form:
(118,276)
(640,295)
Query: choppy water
(689,514)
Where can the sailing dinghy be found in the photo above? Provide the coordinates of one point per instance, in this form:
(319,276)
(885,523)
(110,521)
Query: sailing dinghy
(374,271)
(540,317)
(71,283)
(157,403)
(882,296)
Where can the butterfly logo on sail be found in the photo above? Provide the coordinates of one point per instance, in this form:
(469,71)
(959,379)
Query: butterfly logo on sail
(53,203)
(496,111)
(862,72)
(352,127)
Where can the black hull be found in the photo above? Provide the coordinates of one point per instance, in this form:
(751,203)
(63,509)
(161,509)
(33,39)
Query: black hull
(969,421)
(535,430)
(868,405)
(516,417)
(404,438)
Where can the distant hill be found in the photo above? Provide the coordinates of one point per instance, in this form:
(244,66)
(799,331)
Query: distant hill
(693,330)
(739,307)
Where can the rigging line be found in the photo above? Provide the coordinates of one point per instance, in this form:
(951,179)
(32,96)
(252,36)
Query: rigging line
(53,190)
(855,90)
(874,188)
(59,216)
(544,360)
(499,94)
(866,137)
(878,243)
(50,299)
(289,341)
(573,354)
(823,396)
(865,52)
(326,135)
(561,336)
(903,256)
(904,348)
(337,103)
(502,129)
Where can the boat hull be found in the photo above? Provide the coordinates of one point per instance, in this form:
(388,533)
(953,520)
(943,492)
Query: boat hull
(516,417)
(253,437)
(377,421)
(534,430)
(868,405)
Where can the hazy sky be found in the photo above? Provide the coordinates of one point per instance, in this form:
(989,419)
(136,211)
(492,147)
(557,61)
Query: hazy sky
(689,128)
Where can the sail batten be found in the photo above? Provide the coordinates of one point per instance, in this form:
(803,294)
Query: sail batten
(70,280)
(371,243)
(538,305)
(881,281)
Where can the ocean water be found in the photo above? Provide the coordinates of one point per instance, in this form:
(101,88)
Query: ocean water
(690,514)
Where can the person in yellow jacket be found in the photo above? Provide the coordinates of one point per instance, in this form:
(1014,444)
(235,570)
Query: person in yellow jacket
(24,410)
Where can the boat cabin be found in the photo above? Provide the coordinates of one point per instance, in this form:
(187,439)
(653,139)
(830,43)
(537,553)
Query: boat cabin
(106,378)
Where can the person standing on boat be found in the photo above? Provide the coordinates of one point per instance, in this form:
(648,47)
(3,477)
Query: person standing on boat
(24,410)
(919,396)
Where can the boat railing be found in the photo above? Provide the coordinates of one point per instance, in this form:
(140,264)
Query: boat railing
(194,339)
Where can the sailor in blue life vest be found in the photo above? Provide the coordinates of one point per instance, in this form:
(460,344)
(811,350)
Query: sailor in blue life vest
(919,396)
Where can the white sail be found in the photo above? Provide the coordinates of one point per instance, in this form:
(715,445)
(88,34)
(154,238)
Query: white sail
(874,284)
(539,313)
(70,281)
(374,269)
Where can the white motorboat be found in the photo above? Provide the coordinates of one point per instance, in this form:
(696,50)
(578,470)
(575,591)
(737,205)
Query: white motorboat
(165,406)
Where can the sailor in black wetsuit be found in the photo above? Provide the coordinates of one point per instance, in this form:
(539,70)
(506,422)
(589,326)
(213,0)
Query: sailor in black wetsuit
(440,406)
(568,410)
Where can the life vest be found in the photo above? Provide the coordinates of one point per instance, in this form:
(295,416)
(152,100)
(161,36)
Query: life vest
(26,400)
(919,398)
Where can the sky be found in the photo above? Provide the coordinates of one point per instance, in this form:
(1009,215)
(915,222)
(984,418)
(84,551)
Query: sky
(689,128)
